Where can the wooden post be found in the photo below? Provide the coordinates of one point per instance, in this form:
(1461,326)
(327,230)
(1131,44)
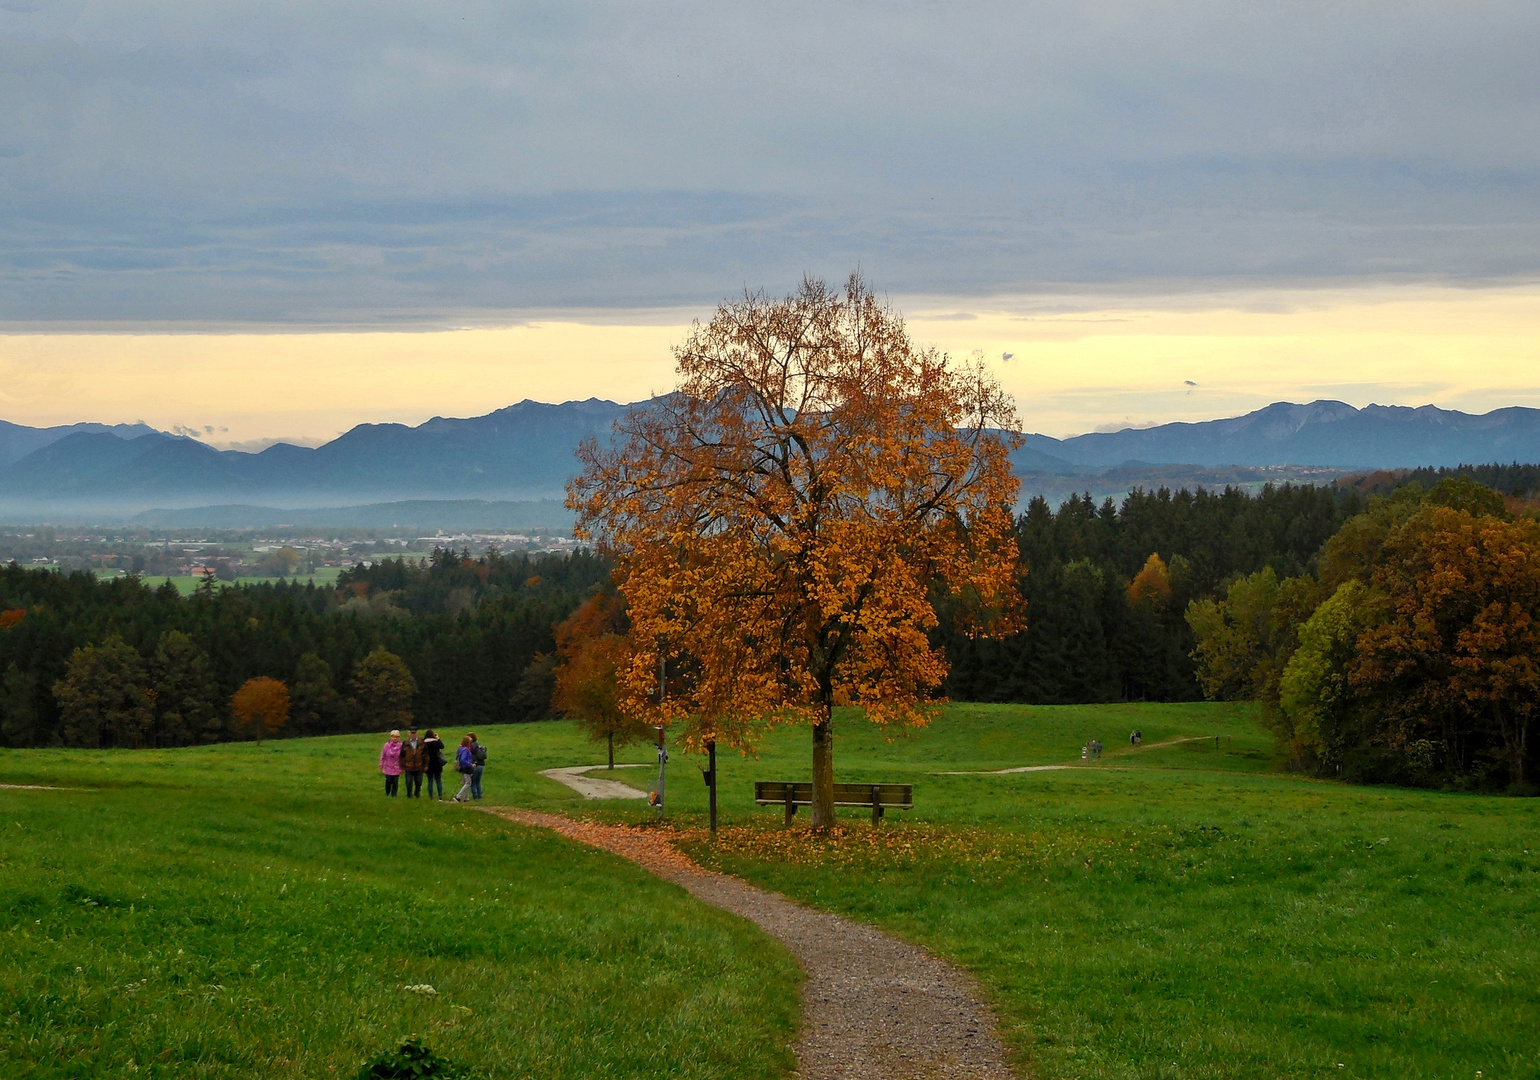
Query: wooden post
(711,756)
(876,804)
(662,769)
(791,807)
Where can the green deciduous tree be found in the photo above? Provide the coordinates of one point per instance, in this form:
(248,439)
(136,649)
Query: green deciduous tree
(1244,640)
(383,689)
(104,698)
(1326,715)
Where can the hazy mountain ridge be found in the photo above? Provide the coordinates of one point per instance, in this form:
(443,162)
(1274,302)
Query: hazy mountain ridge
(522,452)
(17,440)
(1331,434)
(525,452)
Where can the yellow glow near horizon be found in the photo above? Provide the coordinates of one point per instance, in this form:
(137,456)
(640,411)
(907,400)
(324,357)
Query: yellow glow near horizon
(1078,364)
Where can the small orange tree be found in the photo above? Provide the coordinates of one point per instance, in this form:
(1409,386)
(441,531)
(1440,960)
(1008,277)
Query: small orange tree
(260,706)
(592,647)
(781,523)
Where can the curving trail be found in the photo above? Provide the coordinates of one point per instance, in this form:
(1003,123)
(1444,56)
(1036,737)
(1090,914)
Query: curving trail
(1122,751)
(593,787)
(873,1007)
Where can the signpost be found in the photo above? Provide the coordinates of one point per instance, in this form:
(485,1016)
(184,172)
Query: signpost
(711,780)
(657,796)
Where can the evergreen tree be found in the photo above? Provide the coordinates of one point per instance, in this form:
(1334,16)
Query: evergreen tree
(186,693)
(315,706)
(18,707)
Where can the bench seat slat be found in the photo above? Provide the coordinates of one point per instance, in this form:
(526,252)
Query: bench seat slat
(773,793)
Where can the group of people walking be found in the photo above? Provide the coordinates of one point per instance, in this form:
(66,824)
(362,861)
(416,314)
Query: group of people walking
(416,758)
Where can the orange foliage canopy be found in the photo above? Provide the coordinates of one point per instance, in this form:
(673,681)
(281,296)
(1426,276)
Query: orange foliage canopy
(260,706)
(780,520)
(592,647)
(1461,648)
(1151,585)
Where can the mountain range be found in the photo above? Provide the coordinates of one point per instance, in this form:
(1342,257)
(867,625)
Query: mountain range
(524,453)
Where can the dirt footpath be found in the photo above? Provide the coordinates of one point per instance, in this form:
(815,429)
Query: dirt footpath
(873,1007)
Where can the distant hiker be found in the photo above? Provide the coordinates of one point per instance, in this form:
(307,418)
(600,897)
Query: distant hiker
(413,761)
(433,762)
(1135,737)
(479,761)
(467,769)
(390,763)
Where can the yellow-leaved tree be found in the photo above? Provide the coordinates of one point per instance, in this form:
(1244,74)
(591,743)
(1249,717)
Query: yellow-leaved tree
(782,522)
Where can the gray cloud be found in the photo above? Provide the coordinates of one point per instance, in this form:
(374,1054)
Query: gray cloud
(393,163)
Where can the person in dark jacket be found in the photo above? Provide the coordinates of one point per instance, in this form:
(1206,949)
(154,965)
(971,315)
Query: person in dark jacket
(412,763)
(479,760)
(466,764)
(433,763)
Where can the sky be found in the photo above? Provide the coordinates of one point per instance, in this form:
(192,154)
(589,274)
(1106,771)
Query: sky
(274,220)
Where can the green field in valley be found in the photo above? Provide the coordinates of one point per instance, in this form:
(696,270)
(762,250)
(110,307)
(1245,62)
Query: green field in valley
(1179,910)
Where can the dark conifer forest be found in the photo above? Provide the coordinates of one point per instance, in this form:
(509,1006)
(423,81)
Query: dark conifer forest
(1089,637)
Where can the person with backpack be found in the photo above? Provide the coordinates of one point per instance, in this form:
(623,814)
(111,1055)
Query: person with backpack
(433,763)
(479,761)
(412,764)
(390,763)
(466,766)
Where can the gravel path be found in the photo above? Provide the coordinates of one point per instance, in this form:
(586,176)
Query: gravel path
(593,787)
(873,1007)
(1114,753)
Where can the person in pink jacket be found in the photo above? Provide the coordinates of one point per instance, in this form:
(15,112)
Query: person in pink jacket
(390,762)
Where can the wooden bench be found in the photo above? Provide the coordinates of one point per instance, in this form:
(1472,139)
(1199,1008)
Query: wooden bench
(791,794)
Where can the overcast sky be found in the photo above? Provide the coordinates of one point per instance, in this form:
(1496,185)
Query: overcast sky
(292,167)
(384,163)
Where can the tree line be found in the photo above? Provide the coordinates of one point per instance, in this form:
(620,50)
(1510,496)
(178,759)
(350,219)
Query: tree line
(455,639)
(1107,586)
(1387,636)
(1408,651)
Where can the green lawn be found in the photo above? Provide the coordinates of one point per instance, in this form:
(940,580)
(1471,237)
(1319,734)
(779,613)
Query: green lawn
(1171,911)
(244,911)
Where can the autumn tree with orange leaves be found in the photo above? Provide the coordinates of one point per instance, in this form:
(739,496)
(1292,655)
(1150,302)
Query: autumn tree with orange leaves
(260,706)
(591,645)
(1458,657)
(783,520)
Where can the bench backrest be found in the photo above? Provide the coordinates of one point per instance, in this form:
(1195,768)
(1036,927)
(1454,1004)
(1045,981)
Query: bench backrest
(775,791)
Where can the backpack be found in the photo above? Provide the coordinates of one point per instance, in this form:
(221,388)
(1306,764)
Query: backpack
(479,754)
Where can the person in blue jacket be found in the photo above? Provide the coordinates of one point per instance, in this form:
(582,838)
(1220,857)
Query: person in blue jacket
(465,762)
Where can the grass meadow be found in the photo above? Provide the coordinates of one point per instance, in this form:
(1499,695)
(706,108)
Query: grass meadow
(245,911)
(1179,910)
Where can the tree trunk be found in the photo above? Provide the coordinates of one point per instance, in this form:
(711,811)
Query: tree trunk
(611,737)
(823,771)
